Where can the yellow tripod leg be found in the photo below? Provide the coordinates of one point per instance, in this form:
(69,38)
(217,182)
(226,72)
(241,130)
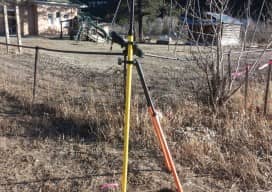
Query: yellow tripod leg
(127,114)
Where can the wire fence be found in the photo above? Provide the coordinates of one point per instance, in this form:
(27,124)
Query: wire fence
(64,83)
(88,95)
(87,98)
(41,64)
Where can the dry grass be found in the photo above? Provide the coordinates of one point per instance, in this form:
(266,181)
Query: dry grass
(228,150)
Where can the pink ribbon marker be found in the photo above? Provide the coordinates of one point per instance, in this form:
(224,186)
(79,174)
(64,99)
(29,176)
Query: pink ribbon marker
(237,74)
(240,73)
(109,186)
(263,66)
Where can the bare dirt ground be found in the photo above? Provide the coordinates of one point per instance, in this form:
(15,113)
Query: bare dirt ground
(70,138)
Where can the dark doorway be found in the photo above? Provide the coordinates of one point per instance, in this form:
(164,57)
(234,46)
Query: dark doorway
(12,21)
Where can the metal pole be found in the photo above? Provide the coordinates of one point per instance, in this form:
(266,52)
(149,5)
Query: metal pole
(125,77)
(229,68)
(246,87)
(158,130)
(35,74)
(153,113)
(96,31)
(128,98)
(61,32)
(267,87)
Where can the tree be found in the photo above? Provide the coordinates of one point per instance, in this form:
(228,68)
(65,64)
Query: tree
(141,11)
(140,19)
(238,8)
(217,73)
(145,8)
(235,8)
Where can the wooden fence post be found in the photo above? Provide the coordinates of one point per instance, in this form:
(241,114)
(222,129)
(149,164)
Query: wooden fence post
(6,26)
(35,74)
(267,87)
(18,28)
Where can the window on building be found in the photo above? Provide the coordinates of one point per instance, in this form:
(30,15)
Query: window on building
(50,19)
(58,18)
(11,13)
(97,3)
(58,15)
(66,17)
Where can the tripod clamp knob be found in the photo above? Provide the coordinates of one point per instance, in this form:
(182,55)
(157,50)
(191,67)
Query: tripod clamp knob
(121,61)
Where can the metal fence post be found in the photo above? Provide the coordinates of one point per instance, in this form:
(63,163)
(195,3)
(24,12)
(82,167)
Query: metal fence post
(35,74)
(229,68)
(61,32)
(246,87)
(267,88)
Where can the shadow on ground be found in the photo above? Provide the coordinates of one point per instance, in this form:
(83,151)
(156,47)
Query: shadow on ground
(19,117)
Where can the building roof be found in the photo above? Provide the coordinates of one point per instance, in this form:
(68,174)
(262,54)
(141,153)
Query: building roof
(65,3)
(224,18)
(197,21)
(214,18)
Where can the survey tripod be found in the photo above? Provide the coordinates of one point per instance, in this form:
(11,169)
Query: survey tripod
(131,49)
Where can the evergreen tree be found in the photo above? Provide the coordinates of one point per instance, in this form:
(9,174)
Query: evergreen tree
(239,8)
(144,8)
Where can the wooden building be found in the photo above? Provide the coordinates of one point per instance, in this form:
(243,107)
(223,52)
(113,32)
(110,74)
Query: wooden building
(203,31)
(38,17)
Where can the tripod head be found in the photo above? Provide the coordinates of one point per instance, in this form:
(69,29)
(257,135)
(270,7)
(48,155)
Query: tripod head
(116,38)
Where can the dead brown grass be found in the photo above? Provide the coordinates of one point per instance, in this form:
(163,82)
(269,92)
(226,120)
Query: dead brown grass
(231,147)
